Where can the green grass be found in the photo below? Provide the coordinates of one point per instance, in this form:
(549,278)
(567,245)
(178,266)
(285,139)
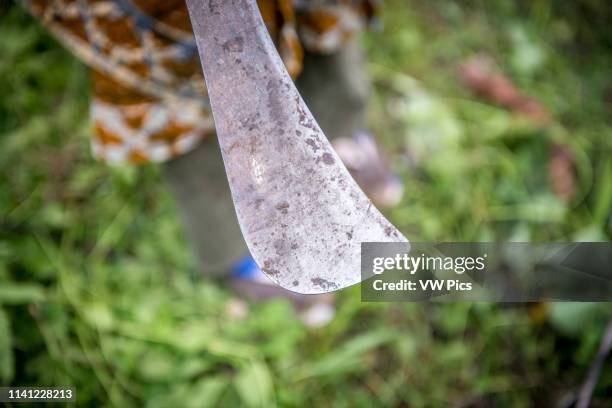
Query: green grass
(97,290)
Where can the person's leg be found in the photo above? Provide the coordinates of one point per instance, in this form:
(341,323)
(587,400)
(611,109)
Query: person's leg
(199,185)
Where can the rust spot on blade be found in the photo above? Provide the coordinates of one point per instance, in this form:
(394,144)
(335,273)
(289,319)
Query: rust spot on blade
(306,119)
(267,268)
(324,284)
(328,159)
(313,144)
(275,102)
(234,45)
(258,203)
(282,247)
(283,207)
(213,8)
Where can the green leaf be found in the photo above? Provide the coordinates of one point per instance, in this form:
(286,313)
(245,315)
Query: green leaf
(157,366)
(348,356)
(15,294)
(603,197)
(99,315)
(571,318)
(254,385)
(7,361)
(207,392)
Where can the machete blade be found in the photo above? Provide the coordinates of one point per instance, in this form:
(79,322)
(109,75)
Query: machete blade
(302,215)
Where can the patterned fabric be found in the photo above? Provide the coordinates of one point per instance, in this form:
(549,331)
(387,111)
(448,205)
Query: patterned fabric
(149,99)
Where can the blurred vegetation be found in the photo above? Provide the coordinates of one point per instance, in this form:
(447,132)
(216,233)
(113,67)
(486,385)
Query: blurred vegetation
(97,290)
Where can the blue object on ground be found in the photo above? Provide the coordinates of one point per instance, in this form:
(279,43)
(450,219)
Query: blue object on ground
(245,268)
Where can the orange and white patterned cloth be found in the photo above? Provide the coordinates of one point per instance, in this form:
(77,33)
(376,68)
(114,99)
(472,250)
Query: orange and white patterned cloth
(149,101)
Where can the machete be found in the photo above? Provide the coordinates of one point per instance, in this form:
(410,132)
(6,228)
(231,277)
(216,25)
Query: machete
(302,215)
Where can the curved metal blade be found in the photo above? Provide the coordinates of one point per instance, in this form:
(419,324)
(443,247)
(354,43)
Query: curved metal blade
(302,215)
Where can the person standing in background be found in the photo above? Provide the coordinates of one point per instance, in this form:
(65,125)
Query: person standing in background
(149,104)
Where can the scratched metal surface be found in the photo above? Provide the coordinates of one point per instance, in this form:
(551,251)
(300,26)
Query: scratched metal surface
(302,215)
